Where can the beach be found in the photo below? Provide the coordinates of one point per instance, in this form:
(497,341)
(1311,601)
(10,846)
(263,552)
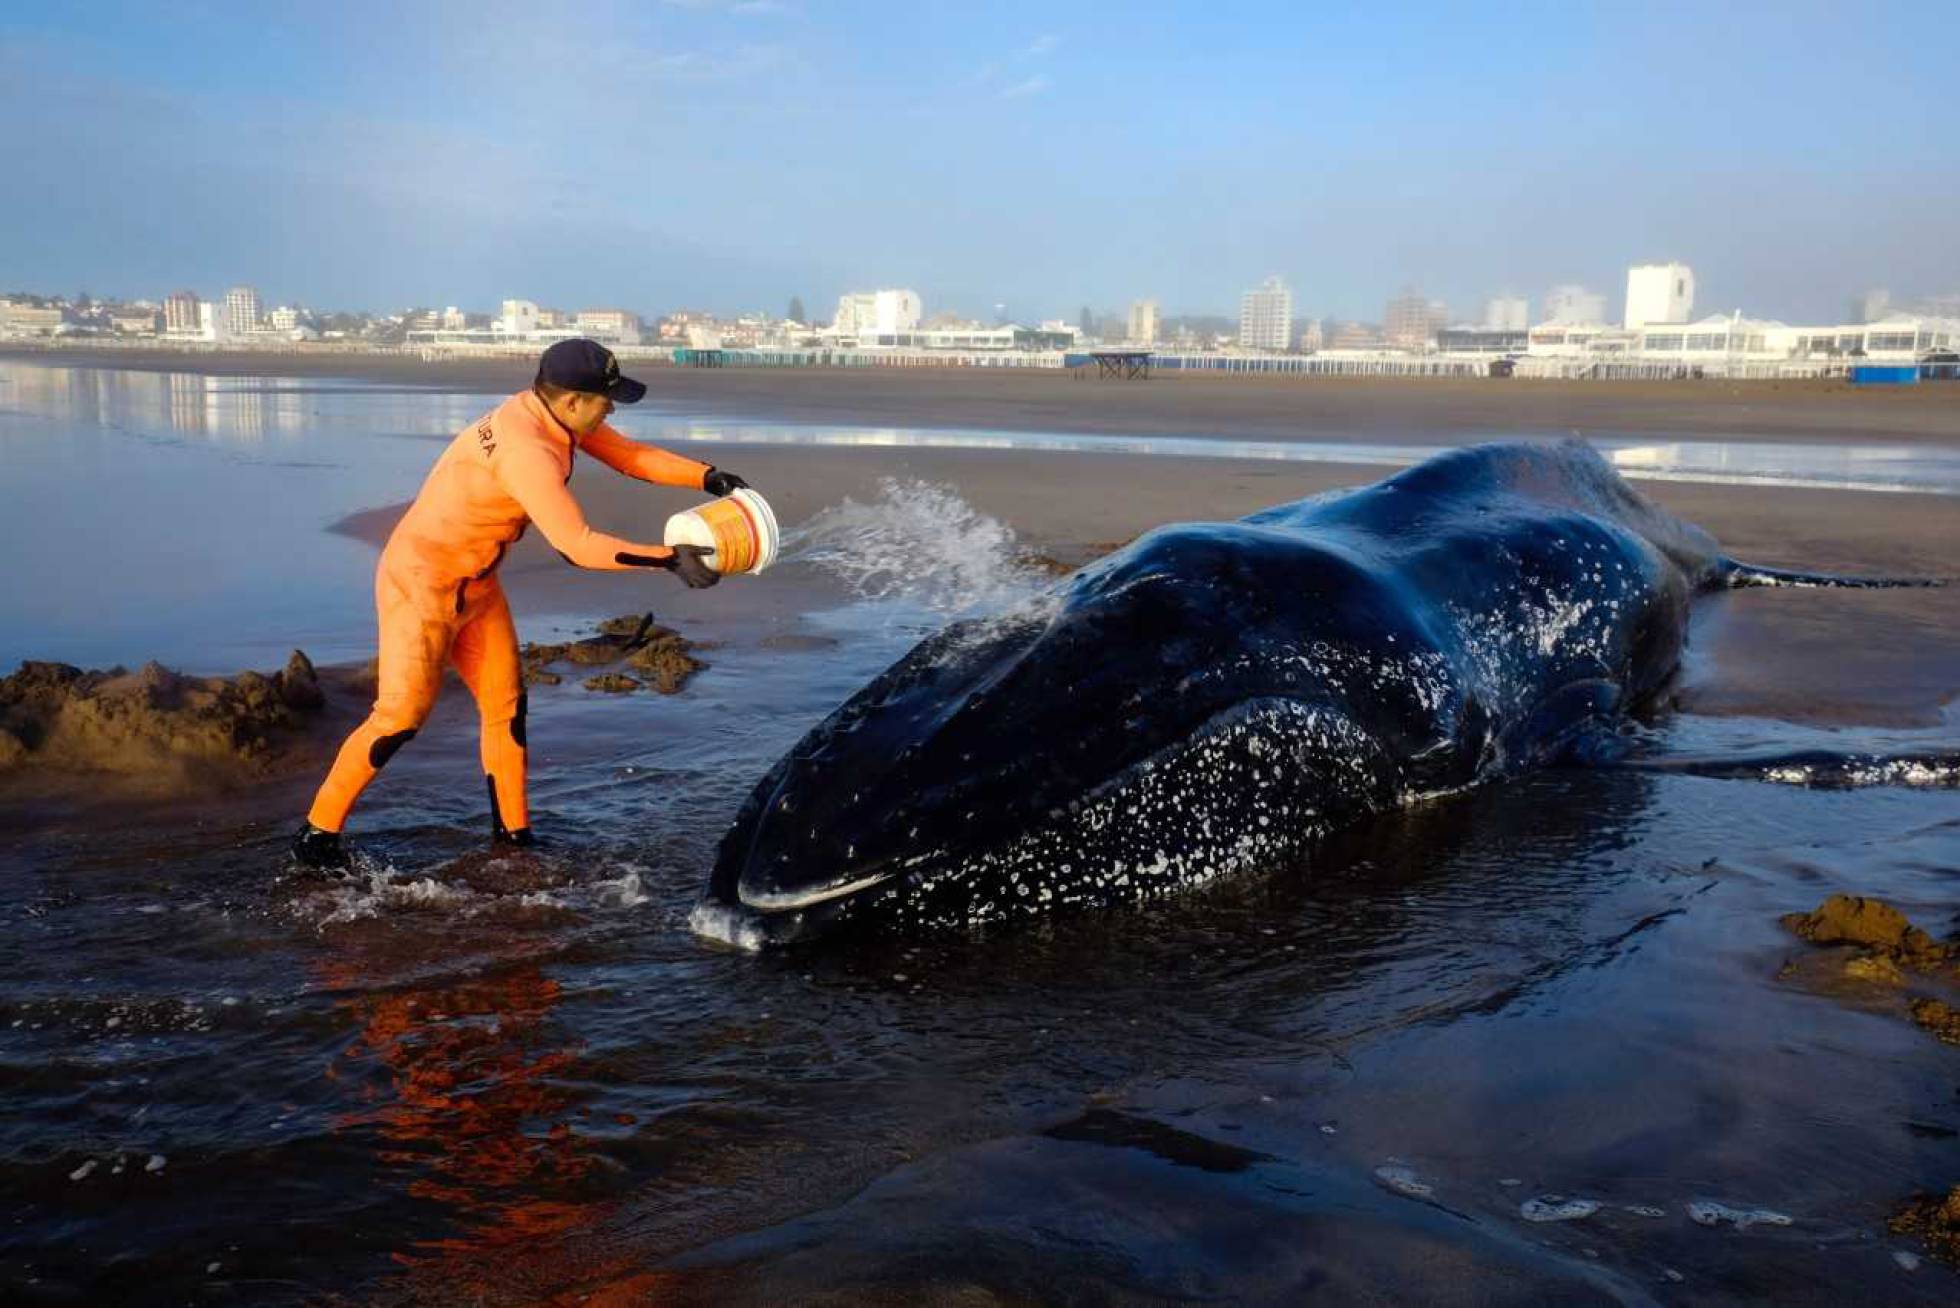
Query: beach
(1381,1073)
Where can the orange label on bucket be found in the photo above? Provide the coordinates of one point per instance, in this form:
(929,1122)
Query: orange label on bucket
(735,534)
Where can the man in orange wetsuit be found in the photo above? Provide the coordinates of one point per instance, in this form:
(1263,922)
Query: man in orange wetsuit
(436,588)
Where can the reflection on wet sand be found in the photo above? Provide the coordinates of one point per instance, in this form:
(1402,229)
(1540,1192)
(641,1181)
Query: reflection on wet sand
(469,1089)
(220,409)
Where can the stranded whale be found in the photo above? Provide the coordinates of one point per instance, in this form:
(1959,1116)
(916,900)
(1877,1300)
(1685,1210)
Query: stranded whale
(1215,697)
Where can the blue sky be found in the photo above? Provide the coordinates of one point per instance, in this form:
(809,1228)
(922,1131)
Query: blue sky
(728,154)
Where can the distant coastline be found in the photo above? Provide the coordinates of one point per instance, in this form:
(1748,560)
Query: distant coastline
(1427,410)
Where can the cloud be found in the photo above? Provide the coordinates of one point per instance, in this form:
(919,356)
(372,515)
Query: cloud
(1032,86)
(1045,44)
(711,66)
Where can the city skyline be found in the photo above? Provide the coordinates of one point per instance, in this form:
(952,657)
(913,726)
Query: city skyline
(732,154)
(1268,319)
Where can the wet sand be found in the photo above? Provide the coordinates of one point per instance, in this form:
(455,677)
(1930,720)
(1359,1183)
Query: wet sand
(1442,411)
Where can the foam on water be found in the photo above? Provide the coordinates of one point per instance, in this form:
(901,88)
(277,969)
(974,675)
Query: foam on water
(374,889)
(1557,1208)
(370,891)
(728,925)
(1398,1178)
(1706,1212)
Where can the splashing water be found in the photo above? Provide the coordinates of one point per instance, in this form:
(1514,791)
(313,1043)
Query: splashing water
(917,542)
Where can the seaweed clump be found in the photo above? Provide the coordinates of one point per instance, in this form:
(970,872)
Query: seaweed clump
(662,657)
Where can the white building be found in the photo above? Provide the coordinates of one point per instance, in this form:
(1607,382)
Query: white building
(1311,339)
(876,313)
(1570,304)
(1659,292)
(614,326)
(1266,316)
(517,318)
(241,311)
(1143,323)
(1735,346)
(1507,313)
(29,320)
(454,319)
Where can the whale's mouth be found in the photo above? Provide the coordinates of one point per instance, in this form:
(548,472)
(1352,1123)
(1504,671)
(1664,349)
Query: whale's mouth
(789,901)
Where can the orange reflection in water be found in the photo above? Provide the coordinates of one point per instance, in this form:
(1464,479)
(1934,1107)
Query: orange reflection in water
(474,1098)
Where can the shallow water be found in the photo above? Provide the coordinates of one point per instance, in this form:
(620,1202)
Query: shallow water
(458,1079)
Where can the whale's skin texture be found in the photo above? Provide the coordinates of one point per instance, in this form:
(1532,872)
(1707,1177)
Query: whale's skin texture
(1217,697)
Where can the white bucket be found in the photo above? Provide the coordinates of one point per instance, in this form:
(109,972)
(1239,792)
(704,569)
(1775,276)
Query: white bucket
(739,530)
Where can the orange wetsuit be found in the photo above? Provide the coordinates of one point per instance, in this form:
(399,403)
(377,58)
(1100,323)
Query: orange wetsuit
(438,598)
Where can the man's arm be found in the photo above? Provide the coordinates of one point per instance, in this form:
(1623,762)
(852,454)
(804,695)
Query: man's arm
(532,479)
(646,462)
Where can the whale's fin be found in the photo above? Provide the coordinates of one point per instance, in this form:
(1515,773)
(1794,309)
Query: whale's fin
(1820,769)
(1733,575)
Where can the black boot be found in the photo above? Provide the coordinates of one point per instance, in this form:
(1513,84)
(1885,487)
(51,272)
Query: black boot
(503,838)
(319,849)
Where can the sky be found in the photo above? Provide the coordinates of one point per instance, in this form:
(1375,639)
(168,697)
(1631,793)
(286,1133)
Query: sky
(730,154)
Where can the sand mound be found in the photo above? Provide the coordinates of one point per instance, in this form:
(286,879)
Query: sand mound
(159,730)
(152,722)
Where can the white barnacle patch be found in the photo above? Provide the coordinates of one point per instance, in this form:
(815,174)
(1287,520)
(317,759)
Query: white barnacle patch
(1196,812)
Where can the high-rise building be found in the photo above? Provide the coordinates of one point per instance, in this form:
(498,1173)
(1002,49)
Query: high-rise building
(242,310)
(1574,304)
(1659,292)
(1411,320)
(1266,316)
(1143,322)
(1507,313)
(1872,306)
(180,313)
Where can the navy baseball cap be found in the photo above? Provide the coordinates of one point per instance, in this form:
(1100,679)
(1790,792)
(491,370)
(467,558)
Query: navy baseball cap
(583,365)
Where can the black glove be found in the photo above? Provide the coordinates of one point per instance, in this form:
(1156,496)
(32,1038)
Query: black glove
(690,568)
(717,482)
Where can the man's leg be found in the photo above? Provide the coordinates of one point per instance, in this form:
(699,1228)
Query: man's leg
(414,643)
(485,655)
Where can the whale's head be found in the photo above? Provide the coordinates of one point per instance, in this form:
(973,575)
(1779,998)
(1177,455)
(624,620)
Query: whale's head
(1165,712)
